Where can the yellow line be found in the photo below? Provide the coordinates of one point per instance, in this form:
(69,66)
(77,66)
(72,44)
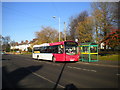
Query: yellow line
(84,45)
(89,53)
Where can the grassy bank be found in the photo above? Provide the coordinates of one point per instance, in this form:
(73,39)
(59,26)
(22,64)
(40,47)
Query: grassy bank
(109,57)
(26,53)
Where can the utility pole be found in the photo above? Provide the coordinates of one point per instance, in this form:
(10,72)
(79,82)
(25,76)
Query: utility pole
(59,29)
(64,31)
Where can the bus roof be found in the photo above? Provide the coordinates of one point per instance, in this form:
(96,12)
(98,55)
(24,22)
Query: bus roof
(60,43)
(44,44)
(52,44)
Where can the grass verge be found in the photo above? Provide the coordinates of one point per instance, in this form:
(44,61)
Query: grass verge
(113,57)
(26,53)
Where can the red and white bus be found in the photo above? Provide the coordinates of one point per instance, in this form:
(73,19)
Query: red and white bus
(58,51)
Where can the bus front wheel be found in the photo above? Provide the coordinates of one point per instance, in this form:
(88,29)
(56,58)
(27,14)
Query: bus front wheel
(53,59)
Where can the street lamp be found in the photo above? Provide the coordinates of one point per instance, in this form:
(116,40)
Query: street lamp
(59,26)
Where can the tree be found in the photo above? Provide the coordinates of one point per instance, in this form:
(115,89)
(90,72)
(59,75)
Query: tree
(47,35)
(105,16)
(84,30)
(113,39)
(26,41)
(29,49)
(6,43)
(6,39)
(74,23)
(22,42)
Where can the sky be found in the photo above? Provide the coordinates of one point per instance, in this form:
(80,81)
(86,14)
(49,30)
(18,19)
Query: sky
(20,20)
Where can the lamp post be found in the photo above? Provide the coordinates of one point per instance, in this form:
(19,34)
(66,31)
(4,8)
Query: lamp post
(59,26)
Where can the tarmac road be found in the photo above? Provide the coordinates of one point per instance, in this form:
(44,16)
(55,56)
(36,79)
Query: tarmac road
(21,71)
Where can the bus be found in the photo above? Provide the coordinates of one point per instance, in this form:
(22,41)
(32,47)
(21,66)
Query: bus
(58,51)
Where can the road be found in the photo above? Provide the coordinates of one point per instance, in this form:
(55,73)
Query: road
(21,71)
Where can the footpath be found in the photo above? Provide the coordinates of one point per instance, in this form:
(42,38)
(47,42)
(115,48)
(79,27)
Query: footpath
(108,63)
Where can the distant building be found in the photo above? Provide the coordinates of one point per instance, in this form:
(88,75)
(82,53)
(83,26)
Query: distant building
(102,46)
(23,47)
(111,40)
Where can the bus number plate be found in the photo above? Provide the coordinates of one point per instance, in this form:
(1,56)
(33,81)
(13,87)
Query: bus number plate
(72,59)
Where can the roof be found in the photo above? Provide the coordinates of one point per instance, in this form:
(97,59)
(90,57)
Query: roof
(51,44)
(44,44)
(89,43)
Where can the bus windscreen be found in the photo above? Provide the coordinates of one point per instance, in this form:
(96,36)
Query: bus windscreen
(71,48)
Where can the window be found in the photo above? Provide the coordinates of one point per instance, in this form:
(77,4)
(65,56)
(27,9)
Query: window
(54,49)
(50,49)
(36,49)
(71,50)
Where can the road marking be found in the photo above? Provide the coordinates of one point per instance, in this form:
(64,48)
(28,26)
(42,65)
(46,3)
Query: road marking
(117,74)
(86,63)
(106,65)
(77,68)
(71,67)
(46,79)
(56,64)
(47,62)
(93,70)
(37,61)
(82,69)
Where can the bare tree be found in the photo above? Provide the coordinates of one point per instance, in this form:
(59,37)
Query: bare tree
(47,35)
(6,43)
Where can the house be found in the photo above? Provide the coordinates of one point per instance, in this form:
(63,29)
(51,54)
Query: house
(22,47)
(112,40)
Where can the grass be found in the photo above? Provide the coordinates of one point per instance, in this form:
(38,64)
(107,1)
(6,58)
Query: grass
(26,53)
(113,57)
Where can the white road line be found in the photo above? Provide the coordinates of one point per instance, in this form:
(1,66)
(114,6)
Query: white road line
(86,70)
(56,64)
(99,64)
(86,63)
(93,70)
(69,67)
(47,62)
(82,69)
(117,74)
(77,68)
(37,61)
(47,79)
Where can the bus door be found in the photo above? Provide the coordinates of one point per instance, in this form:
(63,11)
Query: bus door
(59,53)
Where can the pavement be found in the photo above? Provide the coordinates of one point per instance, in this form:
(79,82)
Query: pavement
(114,63)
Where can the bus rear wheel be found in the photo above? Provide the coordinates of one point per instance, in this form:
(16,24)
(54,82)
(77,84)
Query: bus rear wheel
(53,59)
(37,57)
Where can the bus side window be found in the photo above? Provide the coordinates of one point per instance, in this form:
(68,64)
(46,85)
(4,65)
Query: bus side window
(49,50)
(60,49)
(54,49)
